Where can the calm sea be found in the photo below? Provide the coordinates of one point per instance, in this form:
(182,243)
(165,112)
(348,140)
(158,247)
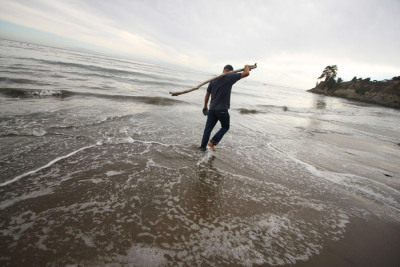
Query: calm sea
(100,166)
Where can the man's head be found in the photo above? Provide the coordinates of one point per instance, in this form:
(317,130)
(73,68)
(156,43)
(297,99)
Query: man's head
(228,68)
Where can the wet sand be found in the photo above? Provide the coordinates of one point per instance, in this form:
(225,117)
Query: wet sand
(365,244)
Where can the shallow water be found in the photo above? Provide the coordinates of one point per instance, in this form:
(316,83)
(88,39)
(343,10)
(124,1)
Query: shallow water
(99,165)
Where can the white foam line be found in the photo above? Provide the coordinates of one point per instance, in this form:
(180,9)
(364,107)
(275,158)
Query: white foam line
(322,173)
(152,142)
(45,166)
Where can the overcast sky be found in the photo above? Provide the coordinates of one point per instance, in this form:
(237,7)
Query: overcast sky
(291,40)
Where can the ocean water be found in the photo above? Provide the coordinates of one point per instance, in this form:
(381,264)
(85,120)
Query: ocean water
(100,166)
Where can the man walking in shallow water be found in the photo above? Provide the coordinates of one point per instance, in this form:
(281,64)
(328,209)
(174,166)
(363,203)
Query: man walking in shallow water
(220,91)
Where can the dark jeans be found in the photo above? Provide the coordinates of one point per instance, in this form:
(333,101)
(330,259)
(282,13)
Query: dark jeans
(213,117)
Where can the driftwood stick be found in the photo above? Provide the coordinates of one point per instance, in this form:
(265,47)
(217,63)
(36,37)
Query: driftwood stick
(209,80)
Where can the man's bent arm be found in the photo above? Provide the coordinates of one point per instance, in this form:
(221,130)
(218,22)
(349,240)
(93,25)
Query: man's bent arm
(246,72)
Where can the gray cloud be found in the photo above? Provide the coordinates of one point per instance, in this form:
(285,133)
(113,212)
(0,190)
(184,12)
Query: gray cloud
(292,40)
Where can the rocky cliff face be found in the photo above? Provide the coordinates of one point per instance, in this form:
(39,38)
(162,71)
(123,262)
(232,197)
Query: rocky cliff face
(386,93)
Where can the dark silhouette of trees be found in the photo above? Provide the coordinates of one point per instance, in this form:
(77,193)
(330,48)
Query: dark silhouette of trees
(329,74)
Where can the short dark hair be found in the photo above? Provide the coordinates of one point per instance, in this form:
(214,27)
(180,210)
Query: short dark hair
(229,67)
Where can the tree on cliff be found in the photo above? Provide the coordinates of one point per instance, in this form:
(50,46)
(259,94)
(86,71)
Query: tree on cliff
(329,74)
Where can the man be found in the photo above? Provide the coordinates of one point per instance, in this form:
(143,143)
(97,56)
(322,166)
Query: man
(220,91)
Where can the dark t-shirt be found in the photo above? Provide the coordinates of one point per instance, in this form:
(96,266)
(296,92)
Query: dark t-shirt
(220,90)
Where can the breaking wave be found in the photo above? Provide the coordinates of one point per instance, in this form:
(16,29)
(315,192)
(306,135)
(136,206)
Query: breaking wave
(29,93)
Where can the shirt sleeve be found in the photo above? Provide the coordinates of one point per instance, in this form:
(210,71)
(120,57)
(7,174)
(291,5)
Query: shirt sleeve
(234,77)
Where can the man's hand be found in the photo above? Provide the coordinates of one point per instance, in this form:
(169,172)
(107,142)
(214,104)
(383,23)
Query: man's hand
(206,98)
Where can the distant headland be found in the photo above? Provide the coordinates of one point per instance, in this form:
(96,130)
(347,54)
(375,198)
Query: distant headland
(386,92)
